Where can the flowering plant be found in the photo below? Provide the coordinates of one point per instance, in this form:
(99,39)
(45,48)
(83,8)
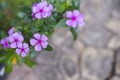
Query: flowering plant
(34,21)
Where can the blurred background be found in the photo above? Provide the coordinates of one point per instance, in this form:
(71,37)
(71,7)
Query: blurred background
(95,55)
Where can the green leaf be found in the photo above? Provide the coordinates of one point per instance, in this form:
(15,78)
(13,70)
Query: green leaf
(62,0)
(33,54)
(9,58)
(60,8)
(49,48)
(8,67)
(8,62)
(74,32)
(61,23)
(76,3)
(29,62)
(69,2)
(2,57)
(19,60)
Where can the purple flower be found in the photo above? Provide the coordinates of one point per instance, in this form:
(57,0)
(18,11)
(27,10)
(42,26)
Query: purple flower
(11,31)
(41,10)
(75,18)
(15,39)
(5,43)
(23,49)
(39,41)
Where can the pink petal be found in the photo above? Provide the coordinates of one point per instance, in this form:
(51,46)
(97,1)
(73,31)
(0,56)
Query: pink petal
(11,39)
(19,45)
(15,35)
(33,42)
(44,3)
(7,38)
(21,38)
(45,15)
(81,24)
(49,13)
(38,15)
(74,24)
(11,31)
(2,41)
(40,5)
(25,45)
(76,13)
(44,44)
(18,51)
(27,50)
(69,22)
(37,36)
(23,54)
(46,9)
(13,45)
(38,47)
(69,14)
(44,38)
(50,7)
(35,9)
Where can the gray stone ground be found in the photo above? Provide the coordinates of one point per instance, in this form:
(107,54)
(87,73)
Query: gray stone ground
(95,55)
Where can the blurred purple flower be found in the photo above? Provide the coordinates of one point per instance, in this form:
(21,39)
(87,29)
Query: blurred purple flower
(11,31)
(41,10)
(39,41)
(23,49)
(16,40)
(5,42)
(75,18)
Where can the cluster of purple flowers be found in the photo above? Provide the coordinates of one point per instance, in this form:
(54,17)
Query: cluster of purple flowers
(40,10)
(15,40)
(44,10)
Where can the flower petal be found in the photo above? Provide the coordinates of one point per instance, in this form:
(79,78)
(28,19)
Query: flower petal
(15,35)
(44,3)
(27,50)
(44,38)
(33,42)
(2,41)
(69,22)
(45,15)
(44,44)
(38,15)
(49,13)
(74,24)
(46,9)
(40,5)
(50,7)
(13,45)
(21,38)
(25,45)
(76,13)
(11,39)
(81,24)
(35,9)
(69,14)
(23,54)
(19,44)
(18,51)
(38,47)
(37,36)
(10,32)
(80,18)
